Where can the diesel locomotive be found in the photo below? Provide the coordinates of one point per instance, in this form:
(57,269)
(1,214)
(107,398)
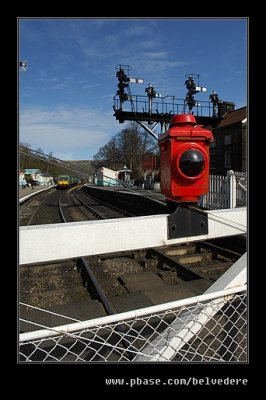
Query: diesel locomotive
(65,181)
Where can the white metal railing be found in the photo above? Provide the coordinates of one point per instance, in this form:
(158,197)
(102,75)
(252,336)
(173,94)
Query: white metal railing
(210,327)
(228,191)
(40,243)
(241,188)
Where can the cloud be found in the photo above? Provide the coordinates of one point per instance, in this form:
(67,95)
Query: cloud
(71,132)
(160,70)
(140,27)
(59,86)
(90,86)
(148,44)
(156,54)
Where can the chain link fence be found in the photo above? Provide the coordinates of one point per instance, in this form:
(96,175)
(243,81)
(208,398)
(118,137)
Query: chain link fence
(208,328)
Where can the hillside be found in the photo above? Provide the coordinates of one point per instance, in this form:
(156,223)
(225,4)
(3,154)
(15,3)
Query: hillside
(86,164)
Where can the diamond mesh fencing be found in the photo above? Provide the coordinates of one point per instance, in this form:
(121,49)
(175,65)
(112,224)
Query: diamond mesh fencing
(207,328)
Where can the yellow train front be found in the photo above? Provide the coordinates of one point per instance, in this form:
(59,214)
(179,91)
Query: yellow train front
(65,181)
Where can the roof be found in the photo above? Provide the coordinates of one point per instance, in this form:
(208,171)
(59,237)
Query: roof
(231,118)
(31,170)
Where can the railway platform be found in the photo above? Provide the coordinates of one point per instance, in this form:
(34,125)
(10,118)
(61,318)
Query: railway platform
(137,201)
(28,191)
(152,194)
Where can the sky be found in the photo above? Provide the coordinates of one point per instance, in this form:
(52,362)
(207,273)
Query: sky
(66,93)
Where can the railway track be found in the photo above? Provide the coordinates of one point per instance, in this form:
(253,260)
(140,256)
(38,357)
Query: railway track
(66,206)
(33,207)
(91,287)
(54,287)
(125,281)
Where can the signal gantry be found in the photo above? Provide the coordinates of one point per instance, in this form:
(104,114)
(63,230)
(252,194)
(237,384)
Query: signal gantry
(154,109)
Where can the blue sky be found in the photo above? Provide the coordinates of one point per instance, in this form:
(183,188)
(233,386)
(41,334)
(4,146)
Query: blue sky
(66,94)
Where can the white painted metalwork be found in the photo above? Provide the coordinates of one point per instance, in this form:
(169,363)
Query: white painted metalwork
(187,325)
(123,336)
(232,190)
(241,188)
(226,191)
(134,314)
(150,130)
(40,243)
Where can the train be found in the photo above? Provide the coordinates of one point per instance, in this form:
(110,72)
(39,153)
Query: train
(65,181)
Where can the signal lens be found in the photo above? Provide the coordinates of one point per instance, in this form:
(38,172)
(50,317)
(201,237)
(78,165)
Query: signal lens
(192,163)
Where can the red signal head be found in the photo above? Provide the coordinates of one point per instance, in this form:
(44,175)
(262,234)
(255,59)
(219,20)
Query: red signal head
(184,159)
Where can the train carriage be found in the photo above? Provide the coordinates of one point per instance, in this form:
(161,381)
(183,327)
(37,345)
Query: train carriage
(65,181)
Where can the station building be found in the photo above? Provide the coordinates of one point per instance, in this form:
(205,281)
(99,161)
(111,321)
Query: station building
(229,149)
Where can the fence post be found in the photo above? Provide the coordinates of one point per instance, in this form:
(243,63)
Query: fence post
(232,188)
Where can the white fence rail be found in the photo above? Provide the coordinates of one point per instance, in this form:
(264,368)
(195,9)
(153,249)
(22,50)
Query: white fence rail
(39,243)
(210,327)
(228,191)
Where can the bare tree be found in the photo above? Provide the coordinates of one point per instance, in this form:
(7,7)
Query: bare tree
(39,162)
(50,157)
(24,155)
(109,155)
(127,148)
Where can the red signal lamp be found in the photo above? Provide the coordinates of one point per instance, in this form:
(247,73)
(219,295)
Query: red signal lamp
(184,159)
